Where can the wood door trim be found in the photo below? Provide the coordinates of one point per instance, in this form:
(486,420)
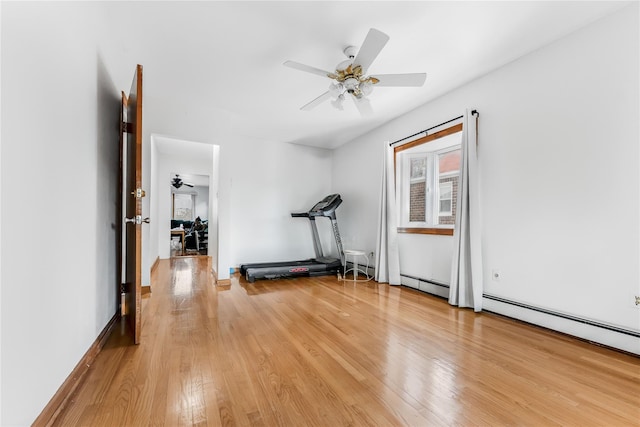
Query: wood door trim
(133,207)
(120,253)
(75,379)
(138,134)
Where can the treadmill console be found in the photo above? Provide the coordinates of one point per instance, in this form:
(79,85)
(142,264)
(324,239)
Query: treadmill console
(326,206)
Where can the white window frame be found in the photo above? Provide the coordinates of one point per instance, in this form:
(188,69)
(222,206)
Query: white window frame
(405,172)
(431,151)
(440,199)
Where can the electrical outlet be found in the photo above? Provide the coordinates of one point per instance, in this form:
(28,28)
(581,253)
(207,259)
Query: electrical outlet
(496,275)
(372,255)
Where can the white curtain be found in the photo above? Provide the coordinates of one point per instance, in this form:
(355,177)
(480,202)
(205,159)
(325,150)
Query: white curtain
(466,269)
(387,255)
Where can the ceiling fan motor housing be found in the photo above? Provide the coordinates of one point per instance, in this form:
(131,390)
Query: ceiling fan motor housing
(350,51)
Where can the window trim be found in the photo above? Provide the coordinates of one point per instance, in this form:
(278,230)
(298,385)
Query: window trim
(433,230)
(427,230)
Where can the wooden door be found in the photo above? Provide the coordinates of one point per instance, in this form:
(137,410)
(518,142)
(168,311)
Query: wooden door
(133,194)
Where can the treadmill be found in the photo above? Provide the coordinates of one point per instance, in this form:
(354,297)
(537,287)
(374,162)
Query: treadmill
(318,266)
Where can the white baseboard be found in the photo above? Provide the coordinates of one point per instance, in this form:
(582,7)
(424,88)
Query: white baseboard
(424,286)
(607,335)
(610,336)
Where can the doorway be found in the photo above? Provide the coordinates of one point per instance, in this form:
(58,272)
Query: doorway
(195,163)
(189,214)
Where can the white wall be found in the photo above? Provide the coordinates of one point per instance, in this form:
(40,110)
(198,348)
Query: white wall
(558,155)
(60,137)
(356,177)
(214,242)
(267,185)
(202,200)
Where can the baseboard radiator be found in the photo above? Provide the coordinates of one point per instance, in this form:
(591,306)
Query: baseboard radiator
(597,332)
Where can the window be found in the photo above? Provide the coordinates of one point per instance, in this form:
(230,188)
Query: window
(446,191)
(427,172)
(183,206)
(417,183)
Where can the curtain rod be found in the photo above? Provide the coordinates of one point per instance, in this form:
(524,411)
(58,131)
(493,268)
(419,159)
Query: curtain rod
(474,112)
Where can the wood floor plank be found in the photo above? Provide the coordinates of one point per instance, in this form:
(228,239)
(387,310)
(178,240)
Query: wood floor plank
(323,352)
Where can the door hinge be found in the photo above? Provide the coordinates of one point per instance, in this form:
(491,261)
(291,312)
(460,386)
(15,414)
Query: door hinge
(124,289)
(139,193)
(126,127)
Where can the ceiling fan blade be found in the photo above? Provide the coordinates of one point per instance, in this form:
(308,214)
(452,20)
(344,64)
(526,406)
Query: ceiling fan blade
(308,69)
(413,79)
(319,100)
(371,47)
(363,105)
(188,185)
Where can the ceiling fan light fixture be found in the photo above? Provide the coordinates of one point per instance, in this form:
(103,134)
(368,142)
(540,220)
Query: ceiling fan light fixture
(338,103)
(366,87)
(351,84)
(336,89)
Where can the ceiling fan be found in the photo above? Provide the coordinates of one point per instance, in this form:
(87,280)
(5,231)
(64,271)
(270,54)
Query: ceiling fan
(351,79)
(177,182)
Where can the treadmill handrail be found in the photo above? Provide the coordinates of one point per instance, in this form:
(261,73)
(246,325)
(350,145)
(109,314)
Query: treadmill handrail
(300,214)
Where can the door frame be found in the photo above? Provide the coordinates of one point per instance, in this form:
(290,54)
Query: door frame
(161,194)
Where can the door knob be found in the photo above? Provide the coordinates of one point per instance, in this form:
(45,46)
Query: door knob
(137,220)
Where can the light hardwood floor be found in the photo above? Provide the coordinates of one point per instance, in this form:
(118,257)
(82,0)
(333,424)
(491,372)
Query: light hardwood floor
(320,352)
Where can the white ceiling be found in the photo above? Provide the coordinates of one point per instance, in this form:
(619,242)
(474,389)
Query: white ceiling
(227,56)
